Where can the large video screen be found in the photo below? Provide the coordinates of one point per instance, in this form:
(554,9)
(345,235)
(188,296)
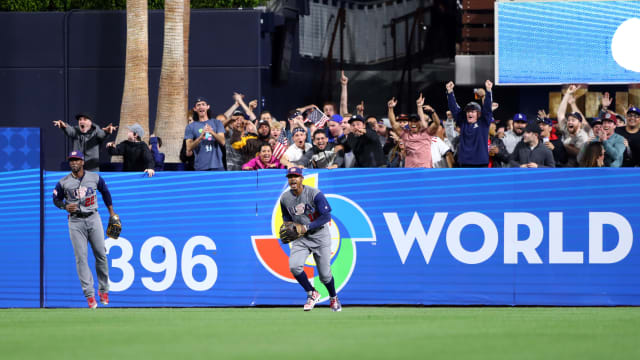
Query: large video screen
(561,42)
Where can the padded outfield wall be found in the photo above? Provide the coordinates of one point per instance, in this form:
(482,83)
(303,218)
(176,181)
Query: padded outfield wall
(400,236)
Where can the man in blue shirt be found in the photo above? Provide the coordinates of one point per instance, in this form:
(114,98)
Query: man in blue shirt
(473,150)
(205,138)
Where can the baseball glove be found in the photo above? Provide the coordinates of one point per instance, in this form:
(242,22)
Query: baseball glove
(114,227)
(290,231)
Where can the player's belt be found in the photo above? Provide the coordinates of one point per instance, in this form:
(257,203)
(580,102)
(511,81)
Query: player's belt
(82,215)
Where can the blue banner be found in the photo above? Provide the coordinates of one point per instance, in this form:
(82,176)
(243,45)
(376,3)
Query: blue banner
(400,236)
(565,42)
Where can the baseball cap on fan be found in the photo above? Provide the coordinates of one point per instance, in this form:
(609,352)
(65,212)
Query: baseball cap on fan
(137,129)
(520,117)
(75,155)
(200,99)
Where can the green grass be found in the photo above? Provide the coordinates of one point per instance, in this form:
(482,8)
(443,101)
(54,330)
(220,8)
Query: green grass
(290,333)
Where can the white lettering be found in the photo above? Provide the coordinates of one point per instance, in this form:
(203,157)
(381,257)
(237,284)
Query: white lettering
(597,220)
(556,253)
(404,241)
(513,246)
(490,242)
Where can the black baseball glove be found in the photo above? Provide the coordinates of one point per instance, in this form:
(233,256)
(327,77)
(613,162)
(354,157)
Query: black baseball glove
(115,227)
(290,231)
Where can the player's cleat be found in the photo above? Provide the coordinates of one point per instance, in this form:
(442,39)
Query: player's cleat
(92,302)
(312,298)
(104,298)
(335,304)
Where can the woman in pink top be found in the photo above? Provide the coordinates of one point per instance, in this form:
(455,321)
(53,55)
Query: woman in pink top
(417,137)
(264,160)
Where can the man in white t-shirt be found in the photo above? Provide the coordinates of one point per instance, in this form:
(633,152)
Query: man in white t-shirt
(297,149)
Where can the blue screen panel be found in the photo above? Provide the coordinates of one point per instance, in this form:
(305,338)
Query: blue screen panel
(560,42)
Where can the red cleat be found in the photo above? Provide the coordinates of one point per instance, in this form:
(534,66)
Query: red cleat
(312,299)
(104,298)
(92,302)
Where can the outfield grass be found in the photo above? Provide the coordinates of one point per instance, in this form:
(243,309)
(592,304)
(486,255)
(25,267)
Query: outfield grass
(290,333)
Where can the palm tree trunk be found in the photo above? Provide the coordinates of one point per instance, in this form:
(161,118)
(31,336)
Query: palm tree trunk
(135,96)
(170,118)
(187,24)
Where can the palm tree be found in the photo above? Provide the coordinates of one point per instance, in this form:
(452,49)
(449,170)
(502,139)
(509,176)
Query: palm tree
(170,117)
(135,97)
(187,22)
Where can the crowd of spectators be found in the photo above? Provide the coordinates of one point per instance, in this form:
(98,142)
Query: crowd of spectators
(330,137)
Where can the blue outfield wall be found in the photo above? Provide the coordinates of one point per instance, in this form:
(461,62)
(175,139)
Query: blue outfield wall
(401,236)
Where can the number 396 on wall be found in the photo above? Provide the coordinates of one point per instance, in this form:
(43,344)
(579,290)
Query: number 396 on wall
(169,266)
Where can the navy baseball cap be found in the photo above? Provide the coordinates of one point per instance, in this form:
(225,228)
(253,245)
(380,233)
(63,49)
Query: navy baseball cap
(520,117)
(356,118)
(75,155)
(294,114)
(200,99)
(472,106)
(237,113)
(633,109)
(84,115)
(545,120)
(294,171)
(576,115)
(595,121)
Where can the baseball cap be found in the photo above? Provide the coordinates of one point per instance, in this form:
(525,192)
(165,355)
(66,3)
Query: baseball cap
(75,155)
(137,129)
(544,120)
(403,117)
(609,117)
(200,99)
(520,117)
(620,117)
(84,115)
(293,114)
(294,171)
(414,117)
(356,118)
(533,127)
(576,115)
(595,121)
(237,113)
(265,123)
(472,106)
(336,118)
(633,109)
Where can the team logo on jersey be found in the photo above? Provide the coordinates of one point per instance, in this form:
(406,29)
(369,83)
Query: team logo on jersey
(299,209)
(349,224)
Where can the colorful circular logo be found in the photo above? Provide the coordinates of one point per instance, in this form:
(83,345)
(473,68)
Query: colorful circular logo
(349,224)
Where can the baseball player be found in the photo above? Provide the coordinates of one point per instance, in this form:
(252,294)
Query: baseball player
(76,193)
(310,212)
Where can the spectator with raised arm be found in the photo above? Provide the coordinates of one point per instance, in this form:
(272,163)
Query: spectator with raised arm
(573,136)
(298,148)
(86,137)
(417,139)
(344,95)
(473,120)
(155,143)
(552,143)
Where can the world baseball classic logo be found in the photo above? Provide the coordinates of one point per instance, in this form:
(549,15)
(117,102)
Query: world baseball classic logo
(349,224)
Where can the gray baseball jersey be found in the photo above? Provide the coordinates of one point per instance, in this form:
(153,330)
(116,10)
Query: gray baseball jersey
(311,209)
(85,226)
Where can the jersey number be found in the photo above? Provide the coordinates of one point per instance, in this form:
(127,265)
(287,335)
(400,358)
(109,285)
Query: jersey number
(89,201)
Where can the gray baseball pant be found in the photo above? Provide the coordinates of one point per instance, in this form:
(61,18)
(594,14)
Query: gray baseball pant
(83,231)
(301,249)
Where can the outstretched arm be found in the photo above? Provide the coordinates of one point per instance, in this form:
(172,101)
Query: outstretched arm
(344,108)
